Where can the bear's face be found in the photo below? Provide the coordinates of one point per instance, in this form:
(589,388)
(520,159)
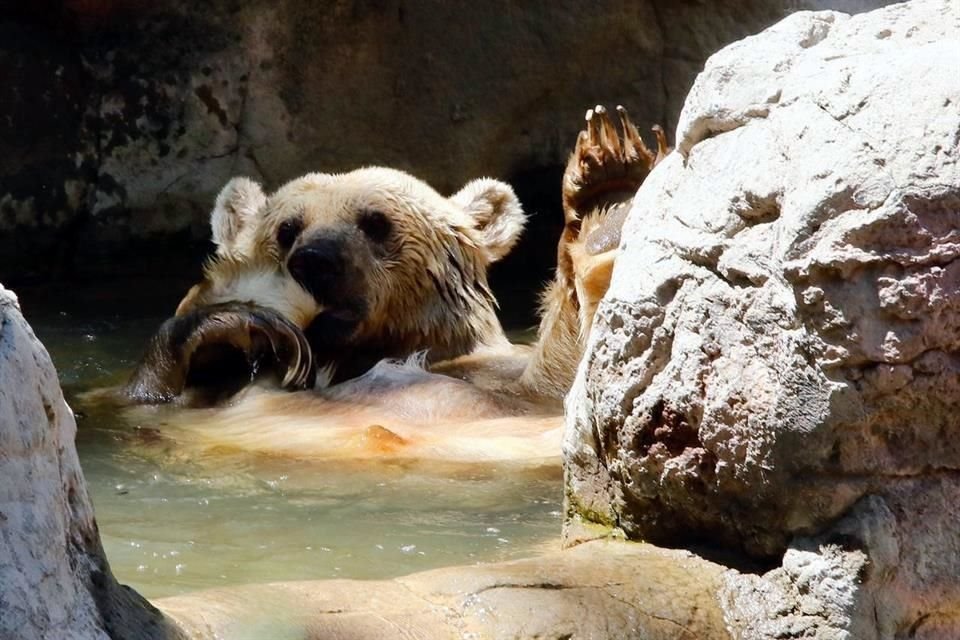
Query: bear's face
(373,259)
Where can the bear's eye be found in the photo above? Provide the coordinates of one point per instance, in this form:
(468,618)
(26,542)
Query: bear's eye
(288,231)
(375,224)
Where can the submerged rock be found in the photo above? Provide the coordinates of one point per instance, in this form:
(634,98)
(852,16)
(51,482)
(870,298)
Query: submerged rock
(54,579)
(777,347)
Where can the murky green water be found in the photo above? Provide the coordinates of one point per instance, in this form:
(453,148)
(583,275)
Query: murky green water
(173,522)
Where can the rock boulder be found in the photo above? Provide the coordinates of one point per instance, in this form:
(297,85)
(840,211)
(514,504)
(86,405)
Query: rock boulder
(54,579)
(778,347)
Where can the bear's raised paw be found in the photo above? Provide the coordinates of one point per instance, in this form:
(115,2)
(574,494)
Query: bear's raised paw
(607,163)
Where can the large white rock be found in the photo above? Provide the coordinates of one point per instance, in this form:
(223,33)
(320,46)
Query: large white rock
(54,579)
(779,340)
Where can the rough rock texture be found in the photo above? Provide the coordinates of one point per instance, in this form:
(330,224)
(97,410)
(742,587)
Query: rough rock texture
(54,579)
(779,340)
(121,119)
(888,569)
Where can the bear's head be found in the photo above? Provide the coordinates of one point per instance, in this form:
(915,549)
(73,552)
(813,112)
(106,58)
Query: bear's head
(372,263)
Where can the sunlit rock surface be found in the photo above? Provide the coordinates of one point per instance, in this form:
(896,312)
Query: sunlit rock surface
(54,579)
(778,346)
(597,590)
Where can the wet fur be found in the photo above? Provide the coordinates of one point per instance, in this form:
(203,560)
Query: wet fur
(395,410)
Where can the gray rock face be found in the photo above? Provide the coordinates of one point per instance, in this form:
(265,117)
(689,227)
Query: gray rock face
(54,579)
(123,119)
(778,345)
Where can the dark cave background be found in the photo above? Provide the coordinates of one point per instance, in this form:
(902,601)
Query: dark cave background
(121,119)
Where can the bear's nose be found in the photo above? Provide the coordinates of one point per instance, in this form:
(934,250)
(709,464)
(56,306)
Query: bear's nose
(318,264)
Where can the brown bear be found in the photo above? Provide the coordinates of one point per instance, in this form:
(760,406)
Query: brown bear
(342,271)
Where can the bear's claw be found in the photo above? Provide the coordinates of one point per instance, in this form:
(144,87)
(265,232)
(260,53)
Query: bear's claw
(605,160)
(604,172)
(195,349)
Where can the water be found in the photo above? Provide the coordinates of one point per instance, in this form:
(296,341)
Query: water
(173,521)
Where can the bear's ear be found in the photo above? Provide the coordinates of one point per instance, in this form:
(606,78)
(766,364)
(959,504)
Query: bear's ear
(496,212)
(234,216)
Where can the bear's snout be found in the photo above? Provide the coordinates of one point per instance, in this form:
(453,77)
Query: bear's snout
(320,268)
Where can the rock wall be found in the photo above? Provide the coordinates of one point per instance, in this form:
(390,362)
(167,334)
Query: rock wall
(777,349)
(121,119)
(54,579)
